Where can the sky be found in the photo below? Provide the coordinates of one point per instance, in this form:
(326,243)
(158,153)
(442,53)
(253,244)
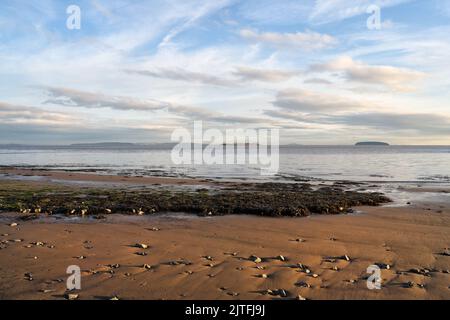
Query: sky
(319,71)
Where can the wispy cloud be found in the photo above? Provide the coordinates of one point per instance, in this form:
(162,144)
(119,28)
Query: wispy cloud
(400,79)
(307,41)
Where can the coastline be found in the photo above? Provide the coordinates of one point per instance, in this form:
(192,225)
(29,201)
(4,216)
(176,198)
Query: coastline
(208,258)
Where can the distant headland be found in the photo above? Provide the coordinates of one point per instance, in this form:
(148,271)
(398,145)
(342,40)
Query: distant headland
(371,143)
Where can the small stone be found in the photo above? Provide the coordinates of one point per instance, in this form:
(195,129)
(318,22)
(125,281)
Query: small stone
(281,258)
(210,265)
(114,266)
(28,276)
(155,229)
(282,293)
(38,243)
(115,298)
(81,257)
(209,258)
(46,290)
(315,275)
(234,294)
(352,281)
(255,259)
(71,296)
(264,276)
(346,257)
(141,245)
(141,253)
(299,240)
(299,297)
(335,268)
(147,266)
(14,224)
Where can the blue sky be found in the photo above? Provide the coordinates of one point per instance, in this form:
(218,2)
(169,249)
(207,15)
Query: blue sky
(136,70)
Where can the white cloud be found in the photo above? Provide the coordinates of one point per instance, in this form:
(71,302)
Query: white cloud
(307,41)
(399,79)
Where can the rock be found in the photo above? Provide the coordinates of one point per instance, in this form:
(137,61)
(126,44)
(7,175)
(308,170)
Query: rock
(299,240)
(446,252)
(282,293)
(141,253)
(281,258)
(141,245)
(46,290)
(303,284)
(14,224)
(81,257)
(383,265)
(209,258)
(210,265)
(352,281)
(28,276)
(299,297)
(315,275)
(346,257)
(155,229)
(335,268)
(114,298)
(234,294)
(114,266)
(264,276)
(147,266)
(255,259)
(71,296)
(333,239)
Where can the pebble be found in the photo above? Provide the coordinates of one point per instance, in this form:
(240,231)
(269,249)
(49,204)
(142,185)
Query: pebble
(81,257)
(299,297)
(14,224)
(281,258)
(264,276)
(28,276)
(141,245)
(147,266)
(115,298)
(299,240)
(234,294)
(71,296)
(209,258)
(315,275)
(154,229)
(141,253)
(346,257)
(303,284)
(38,243)
(335,268)
(383,266)
(46,290)
(255,259)
(114,266)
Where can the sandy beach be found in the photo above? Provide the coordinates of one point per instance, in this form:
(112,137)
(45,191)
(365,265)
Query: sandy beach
(230,257)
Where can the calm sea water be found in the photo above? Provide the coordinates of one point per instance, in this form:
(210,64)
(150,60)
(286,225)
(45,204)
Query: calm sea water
(424,164)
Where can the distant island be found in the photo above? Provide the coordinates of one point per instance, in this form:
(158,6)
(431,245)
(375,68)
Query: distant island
(371,143)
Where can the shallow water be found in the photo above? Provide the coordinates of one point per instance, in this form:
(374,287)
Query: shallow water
(393,164)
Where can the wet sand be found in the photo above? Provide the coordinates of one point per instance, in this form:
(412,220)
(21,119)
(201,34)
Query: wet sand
(67,176)
(208,258)
(191,257)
